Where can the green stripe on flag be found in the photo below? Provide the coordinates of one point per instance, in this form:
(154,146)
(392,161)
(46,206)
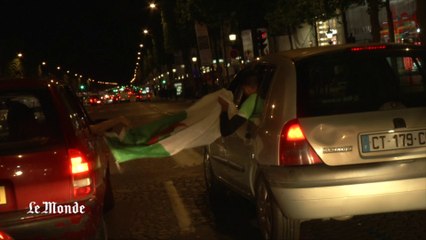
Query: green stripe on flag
(141,135)
(124,152)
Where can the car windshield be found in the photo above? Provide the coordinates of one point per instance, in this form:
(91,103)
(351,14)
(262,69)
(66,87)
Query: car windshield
(363,81)
(26,120)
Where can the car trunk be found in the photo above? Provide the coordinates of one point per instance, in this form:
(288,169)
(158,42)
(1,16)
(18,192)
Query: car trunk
(364,105)
(390,135)
(27,176)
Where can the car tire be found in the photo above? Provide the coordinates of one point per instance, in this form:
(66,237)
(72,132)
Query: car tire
(215,189)
(272,223)
(109,201)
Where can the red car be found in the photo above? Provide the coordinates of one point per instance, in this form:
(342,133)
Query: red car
(54,173)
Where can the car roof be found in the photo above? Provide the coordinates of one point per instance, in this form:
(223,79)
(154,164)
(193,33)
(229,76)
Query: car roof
(302,53)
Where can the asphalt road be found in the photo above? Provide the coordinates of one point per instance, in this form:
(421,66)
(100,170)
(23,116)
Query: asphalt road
(166,199)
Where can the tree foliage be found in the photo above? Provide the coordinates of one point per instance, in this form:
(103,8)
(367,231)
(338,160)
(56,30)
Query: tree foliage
(292,13)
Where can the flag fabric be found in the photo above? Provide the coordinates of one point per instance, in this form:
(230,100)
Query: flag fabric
(196,126)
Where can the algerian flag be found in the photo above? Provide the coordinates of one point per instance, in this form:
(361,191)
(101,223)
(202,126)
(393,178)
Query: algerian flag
(196,126)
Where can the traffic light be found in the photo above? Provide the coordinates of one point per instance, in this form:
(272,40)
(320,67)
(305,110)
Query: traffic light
(262,41)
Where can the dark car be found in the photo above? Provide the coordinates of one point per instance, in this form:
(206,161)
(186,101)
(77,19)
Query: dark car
(54,173)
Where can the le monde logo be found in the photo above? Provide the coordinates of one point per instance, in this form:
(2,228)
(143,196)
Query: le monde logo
(54,208)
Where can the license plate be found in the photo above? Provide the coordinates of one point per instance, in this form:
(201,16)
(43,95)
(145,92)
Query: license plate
(2,195)
(393,140)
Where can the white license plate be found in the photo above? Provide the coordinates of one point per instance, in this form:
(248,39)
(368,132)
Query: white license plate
(2,195)
(393,140)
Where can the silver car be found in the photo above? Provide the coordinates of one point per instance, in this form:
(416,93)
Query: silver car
(341,131)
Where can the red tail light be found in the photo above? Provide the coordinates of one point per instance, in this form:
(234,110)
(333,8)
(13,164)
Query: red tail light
(368,48)
(294,148)
(4,236)
(81,173)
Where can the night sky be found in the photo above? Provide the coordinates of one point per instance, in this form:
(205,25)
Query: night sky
(98,39)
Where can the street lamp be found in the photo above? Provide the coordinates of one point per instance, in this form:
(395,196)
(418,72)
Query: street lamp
(145,31)
(141,45)
(152,5)
(43,63)
(194,59)
(232,37)
(20,55)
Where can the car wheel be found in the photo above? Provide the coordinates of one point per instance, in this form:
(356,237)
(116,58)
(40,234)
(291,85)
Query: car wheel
(216,191)
(109,201)
(273,224)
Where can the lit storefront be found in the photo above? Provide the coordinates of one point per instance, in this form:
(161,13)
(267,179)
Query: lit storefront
(404,20)
(328,32)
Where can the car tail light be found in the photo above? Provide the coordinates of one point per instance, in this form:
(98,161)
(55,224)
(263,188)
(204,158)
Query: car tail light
(294,148)
(81,173)
(368,48)
(4,236)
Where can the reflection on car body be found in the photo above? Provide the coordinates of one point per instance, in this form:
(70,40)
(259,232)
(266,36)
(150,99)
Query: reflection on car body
(341,133)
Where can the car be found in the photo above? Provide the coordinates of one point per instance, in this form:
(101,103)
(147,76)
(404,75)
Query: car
(94,100)
(341,132)
(143,96)
(54,173)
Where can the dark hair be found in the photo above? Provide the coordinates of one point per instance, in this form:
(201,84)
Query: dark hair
(250,79)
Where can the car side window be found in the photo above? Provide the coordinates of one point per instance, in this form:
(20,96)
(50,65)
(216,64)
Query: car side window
(77,115)
(236,86)
(265,73)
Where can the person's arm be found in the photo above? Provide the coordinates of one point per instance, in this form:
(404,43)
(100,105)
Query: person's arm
(228,126)
(101,127)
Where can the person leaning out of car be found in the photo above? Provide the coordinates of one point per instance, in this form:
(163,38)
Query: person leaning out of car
(247,109)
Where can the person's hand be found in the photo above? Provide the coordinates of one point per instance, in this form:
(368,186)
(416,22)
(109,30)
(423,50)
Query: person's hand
(223,104)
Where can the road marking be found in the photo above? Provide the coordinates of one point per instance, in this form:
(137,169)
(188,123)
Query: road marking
(182,215)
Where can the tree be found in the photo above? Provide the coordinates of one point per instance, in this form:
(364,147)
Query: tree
(391,28)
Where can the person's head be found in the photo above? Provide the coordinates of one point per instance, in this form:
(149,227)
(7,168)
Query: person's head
(250,84)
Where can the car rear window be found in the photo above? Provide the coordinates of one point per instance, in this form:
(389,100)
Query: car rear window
(351,82)
(27,120)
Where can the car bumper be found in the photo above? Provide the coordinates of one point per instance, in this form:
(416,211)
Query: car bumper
(346,198)
(21,225)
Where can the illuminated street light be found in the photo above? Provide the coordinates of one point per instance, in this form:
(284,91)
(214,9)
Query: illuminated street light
(139,53)
(141,45)
(58,67)
(145,31)
(20,55)
(232,37)
(194,59)
(43,63)
(152,5)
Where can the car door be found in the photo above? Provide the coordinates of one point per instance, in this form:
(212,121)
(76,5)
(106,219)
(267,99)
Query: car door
(217,150)
(240,145)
